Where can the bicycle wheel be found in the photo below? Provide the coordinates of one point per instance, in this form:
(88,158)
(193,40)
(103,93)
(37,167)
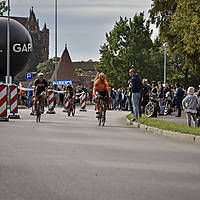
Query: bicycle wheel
(73,112)
(38,114)
(99,120)
(150,109)
(104,118)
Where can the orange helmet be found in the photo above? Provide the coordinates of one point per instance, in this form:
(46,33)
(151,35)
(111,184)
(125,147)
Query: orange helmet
(102,75)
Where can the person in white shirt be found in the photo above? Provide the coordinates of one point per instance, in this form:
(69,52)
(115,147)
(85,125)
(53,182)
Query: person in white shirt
(190,104)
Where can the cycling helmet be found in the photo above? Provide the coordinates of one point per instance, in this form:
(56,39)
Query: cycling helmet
(40,75)
(102,75)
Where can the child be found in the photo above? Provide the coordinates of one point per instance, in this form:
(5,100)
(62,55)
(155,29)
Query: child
(190,104)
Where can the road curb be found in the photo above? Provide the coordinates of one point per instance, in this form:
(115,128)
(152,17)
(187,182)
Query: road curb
(171,134)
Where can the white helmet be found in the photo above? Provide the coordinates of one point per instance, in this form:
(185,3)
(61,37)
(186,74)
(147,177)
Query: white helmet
(40,75)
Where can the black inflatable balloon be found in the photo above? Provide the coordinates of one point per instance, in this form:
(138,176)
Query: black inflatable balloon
(20,47)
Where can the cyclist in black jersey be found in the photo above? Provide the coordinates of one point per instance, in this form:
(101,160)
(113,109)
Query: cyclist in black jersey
(40,88)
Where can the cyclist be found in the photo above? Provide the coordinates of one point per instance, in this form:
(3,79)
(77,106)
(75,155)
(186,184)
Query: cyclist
(70,91)
(40,87)
(101,89)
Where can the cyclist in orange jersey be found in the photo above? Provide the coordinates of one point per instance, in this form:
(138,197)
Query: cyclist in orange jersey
(101,89)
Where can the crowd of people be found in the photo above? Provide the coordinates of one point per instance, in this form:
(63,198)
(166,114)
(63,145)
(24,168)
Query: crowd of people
(189,100)
(133,98)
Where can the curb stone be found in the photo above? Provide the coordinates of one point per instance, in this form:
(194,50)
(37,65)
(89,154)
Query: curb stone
(171,134)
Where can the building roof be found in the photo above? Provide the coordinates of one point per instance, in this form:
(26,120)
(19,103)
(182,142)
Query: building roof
(65,69)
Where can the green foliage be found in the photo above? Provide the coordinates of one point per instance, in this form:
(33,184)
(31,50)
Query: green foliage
(3,7)
(161,13)
(80,72)
(47,68)
(179,26)
(129,44)
(185,31)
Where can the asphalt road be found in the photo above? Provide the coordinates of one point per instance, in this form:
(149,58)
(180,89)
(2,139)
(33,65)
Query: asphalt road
(71,158)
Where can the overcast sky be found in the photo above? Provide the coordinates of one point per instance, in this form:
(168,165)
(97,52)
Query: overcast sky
(82,24)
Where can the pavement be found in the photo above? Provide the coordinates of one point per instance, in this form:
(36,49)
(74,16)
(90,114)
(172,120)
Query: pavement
(72,158)
(172,118)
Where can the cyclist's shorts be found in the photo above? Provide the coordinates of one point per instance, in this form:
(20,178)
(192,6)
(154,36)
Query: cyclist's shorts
(103,94)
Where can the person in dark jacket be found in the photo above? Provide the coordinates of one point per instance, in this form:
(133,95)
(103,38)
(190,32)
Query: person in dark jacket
(161,97)
(178,97)
(144,94)
(136,86)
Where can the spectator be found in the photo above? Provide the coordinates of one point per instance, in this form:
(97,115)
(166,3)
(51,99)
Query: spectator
(113,101)
(178,97)
(55,88)
(22,96)
(123,99)
(30,96)
(90,94)
(130,95)
(160,97)
(117,98)
(198,93)
(191,103)
(144,95)
(127,103)
(61,95)
(136,85)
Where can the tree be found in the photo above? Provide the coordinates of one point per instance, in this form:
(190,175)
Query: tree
(127,45)
(161,13)
(178,22)
(3,7)
(185,30)
(47,68)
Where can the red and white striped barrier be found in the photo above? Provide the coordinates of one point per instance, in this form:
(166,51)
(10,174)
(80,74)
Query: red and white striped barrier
(66,103)
(51,103)
(3,102)
(83,102)
(13,102)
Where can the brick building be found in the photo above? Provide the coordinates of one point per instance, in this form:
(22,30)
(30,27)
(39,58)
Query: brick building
(40,39)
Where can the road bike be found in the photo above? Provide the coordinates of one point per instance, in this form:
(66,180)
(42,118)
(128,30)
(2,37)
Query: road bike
(72,108)
(39,108)
(102,111)
(168,103)
(151,109)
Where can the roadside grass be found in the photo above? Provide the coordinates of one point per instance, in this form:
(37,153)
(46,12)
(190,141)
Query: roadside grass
(165,125)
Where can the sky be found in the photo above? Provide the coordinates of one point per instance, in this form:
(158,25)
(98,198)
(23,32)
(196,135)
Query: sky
(82,24)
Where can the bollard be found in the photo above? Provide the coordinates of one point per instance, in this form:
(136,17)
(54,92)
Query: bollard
(13,102)
(51,103)
(3,102)
(66,103)
(83,102)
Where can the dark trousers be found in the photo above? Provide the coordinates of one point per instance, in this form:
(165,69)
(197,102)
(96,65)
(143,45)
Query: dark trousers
(178,105)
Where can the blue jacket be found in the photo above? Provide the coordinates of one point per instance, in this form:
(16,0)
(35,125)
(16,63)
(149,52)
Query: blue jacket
(136,84)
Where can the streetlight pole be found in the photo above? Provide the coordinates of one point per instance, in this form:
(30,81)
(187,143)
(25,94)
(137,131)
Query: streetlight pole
(165,63)
(56,59)
(8,78)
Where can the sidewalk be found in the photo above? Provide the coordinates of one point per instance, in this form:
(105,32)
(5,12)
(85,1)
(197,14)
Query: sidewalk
(172,118)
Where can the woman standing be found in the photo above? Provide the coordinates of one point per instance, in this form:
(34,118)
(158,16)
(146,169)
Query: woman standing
(190,104)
